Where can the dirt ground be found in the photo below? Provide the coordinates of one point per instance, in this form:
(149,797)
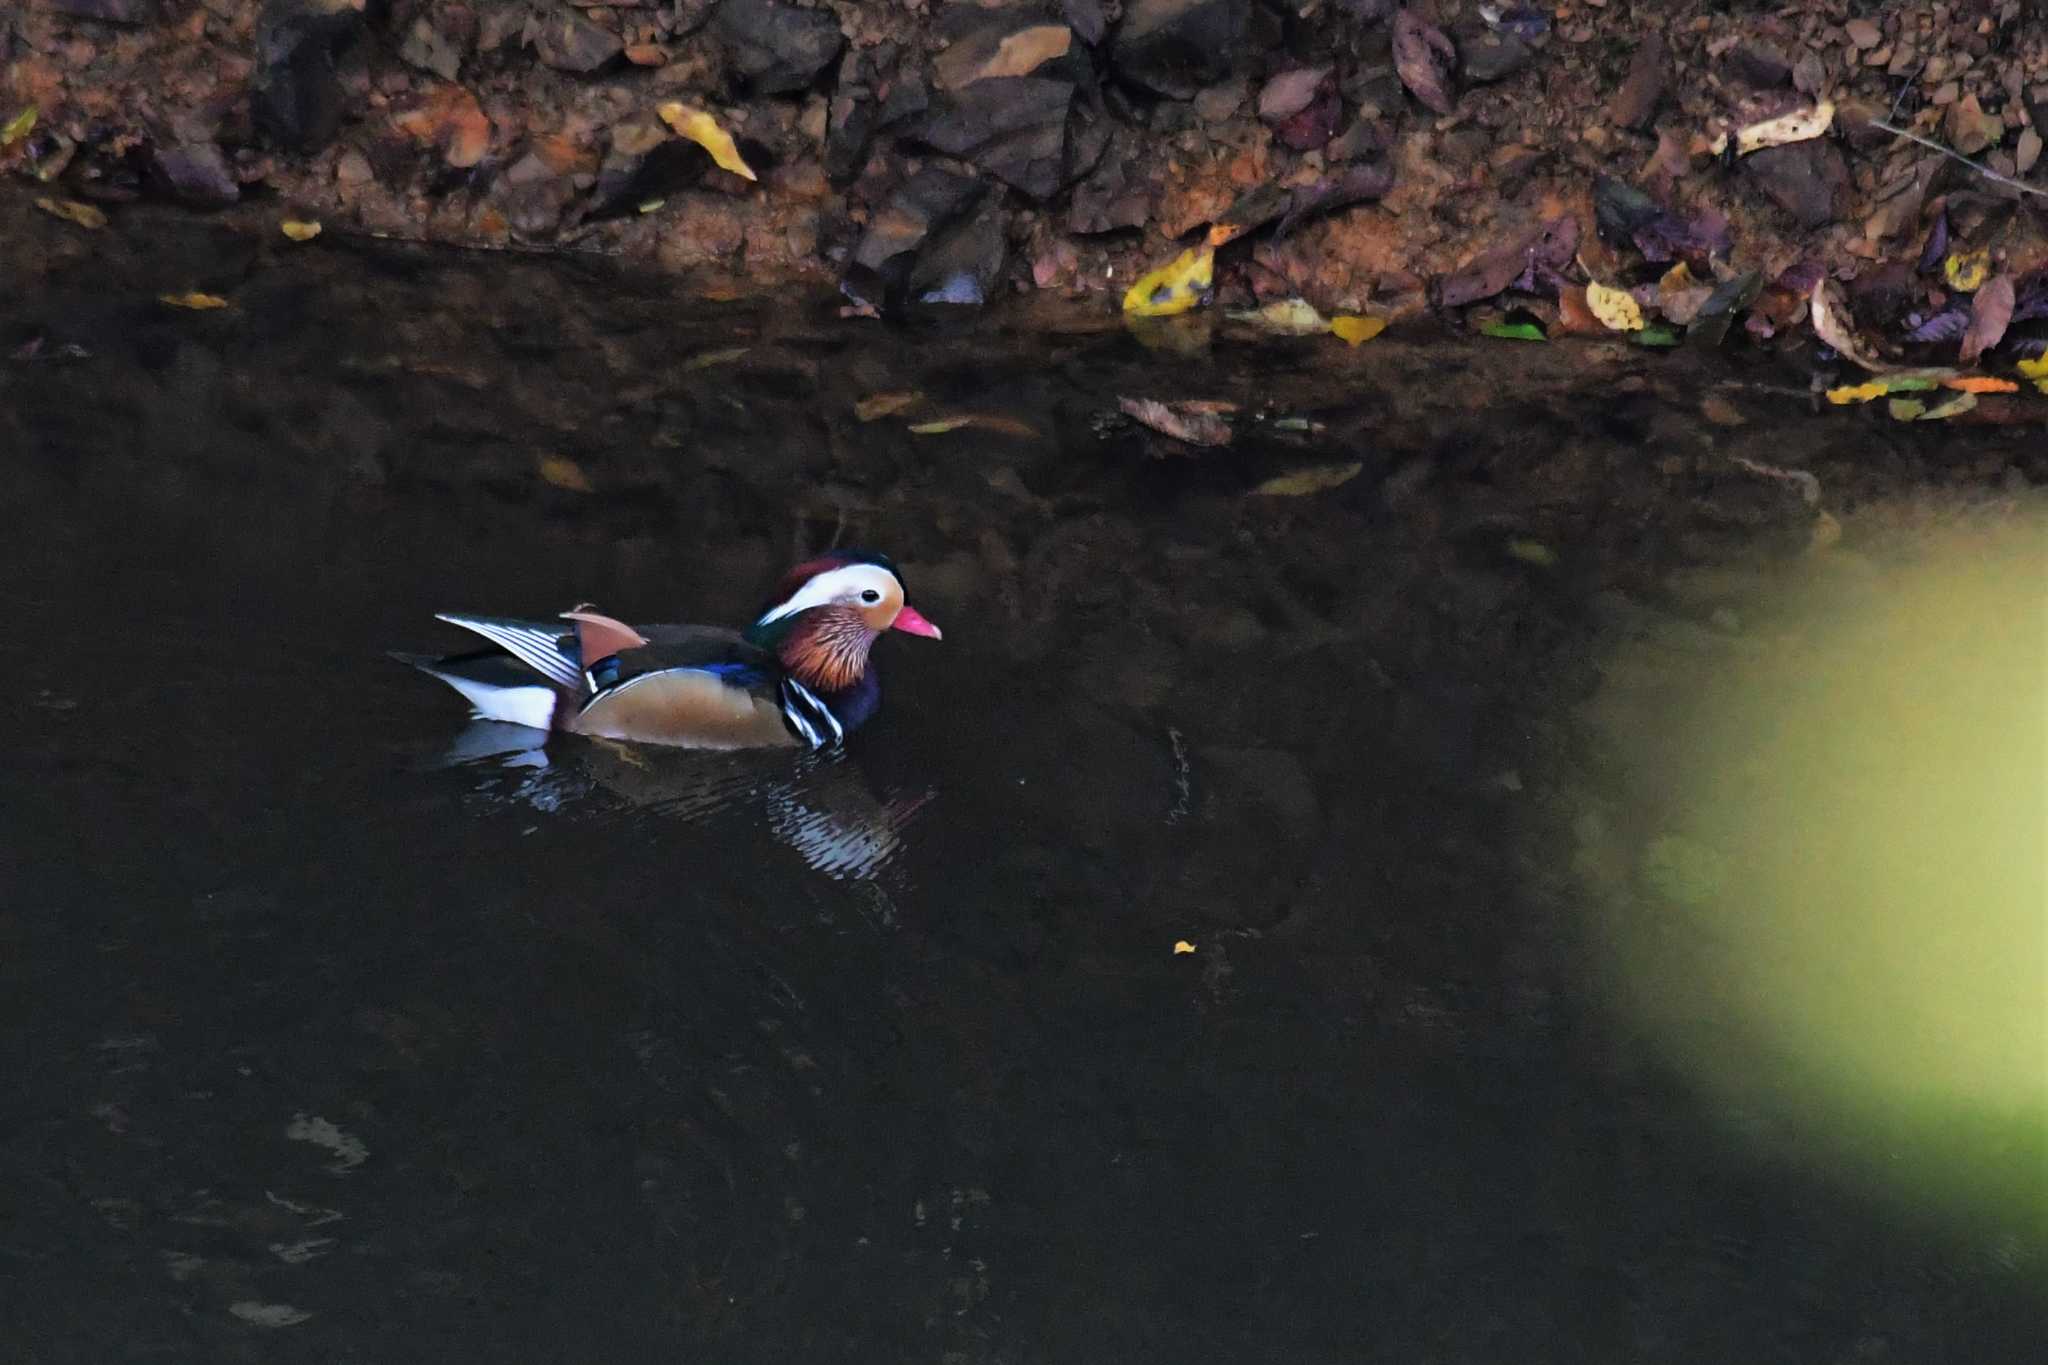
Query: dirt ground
(1484,159)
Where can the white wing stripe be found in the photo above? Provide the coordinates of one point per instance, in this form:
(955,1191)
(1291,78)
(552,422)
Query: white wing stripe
(533,646)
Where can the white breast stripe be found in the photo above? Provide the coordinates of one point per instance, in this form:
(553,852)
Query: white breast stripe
(812,718)
(532,645)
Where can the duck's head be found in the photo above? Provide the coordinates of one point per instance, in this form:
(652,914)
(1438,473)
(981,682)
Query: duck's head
(829,611)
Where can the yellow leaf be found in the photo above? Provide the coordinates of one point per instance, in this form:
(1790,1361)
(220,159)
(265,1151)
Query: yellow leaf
(18,127)
(1008,426)
(2036,369)
(71,211)
(706,359)
(193,300)
(1356,329)
(300,230)
(1965,270)
(1857,393)
(1174,287)
(1181,946)
(1617,308)
(1288,317)
(883,405)
(1797,126)
(1962,402)
(564,473)
(1302,482)
(702,129)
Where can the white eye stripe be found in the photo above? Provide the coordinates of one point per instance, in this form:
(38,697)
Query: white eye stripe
(835,585)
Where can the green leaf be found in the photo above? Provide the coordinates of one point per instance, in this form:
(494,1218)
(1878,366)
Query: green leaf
(1514,331)
(1655,336)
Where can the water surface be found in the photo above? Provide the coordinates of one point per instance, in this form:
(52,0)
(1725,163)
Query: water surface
(341,1033)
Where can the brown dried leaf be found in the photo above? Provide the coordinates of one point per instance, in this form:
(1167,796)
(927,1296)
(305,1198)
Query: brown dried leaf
(1990,315)
(564,472)
(72,211)
(880,405)
(1424,58)
(1830,324)
(1182,421)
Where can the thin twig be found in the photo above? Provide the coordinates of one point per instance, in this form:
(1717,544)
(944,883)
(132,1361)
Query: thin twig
(1977,166)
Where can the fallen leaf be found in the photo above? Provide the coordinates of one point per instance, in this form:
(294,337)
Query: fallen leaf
(702,129)
(1798,126)
(193,300)
(1514,331)
(1532,552)
(2036,369)
(1965,270)
(1181,946)
(1285,317)
(71,211)
(1315,479)
(884,405)
(1617,308)
(1961,403)
(1654,336)
(1423,57)
(18,127)
(1008,426)
(1198,424)
(1721,412)
(1856,393)
(1980,383)
(298,230)
(563,472)
(1990,315)
(1354,330)
(1905,409)
(448,116)
(704,360)
(1829,325)
(1902,381)
(1175,287)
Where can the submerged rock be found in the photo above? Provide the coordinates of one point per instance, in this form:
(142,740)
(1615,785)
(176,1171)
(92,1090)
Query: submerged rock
(777,48)
(1002,44)
(1014,127)
(1806,179)
(964,264)
(1175,47)
(194,173)
(295,93)
(921,207)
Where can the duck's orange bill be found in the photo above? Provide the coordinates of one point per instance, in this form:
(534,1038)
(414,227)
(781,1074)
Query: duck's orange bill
(911,621)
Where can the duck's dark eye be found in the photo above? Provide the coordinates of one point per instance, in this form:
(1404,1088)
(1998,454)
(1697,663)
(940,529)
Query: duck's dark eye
(870,595)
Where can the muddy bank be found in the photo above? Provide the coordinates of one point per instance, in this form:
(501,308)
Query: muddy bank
(1362,155)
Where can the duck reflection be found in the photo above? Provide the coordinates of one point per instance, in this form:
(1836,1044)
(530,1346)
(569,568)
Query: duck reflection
(820,804)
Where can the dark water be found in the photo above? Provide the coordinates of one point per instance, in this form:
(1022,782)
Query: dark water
(330,1039)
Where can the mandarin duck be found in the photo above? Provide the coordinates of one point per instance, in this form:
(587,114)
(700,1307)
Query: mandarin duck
(799,675)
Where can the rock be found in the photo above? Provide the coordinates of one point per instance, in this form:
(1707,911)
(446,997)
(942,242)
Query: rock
(850,123)
(2028,151)
(429,49)
(1362,139)
(1485,55)
(1215,103)
(1014,127)
(965,264)
(777,48)
(1302,107)
(924,205)
(106,11)
(1086,18)
(1110,199)
(999,45)
(1970,130)
(1290,92)
(568,42)
(1806,179)
(1175,47)
(1758,64)
(533,195)
(295,91)
(1634,105)
(195,173)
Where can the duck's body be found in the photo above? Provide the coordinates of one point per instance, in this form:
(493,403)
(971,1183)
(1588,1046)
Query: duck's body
(800,675)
